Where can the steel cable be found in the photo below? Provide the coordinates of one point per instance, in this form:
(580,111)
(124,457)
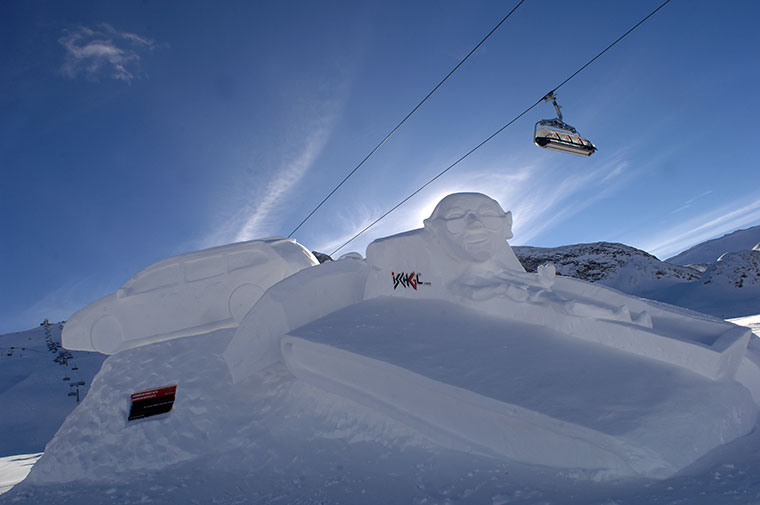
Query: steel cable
(500,129)
(405,118)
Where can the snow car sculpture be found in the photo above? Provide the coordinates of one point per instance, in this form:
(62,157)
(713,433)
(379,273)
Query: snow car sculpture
(184,295)
(442,329)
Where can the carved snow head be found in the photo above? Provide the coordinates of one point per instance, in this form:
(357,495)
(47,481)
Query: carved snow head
(470,226)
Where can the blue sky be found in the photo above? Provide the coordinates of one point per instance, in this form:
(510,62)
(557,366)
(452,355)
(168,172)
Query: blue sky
(134,131)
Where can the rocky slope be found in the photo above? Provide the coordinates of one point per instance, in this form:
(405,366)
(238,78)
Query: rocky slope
(736,269)
(617,265)
(729,287)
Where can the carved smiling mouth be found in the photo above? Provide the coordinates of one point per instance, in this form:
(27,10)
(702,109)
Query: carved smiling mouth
(475,238)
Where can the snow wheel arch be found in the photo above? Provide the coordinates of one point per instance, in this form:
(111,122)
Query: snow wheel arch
(106,334)
(242,299)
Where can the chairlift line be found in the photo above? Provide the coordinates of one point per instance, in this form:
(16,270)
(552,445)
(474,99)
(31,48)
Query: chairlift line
(557,135)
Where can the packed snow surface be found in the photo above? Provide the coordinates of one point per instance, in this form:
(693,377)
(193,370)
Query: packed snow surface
(14,469)
(752,322)
(518,390)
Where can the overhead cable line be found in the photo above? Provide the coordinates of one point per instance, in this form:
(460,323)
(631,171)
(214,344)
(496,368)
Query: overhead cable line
(405,118)
(402,202)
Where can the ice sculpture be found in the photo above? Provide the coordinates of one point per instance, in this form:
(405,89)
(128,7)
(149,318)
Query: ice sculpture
(185,295)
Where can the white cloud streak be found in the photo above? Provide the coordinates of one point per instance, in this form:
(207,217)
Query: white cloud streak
(263,198)
(102,52)
(536,195)
(702,227)
(57,304)
(257,220)
(688,203)
(540,207)
(356,221)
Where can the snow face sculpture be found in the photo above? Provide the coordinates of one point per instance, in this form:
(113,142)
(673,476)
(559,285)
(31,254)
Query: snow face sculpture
(470,226)
(185,295)
(463,243)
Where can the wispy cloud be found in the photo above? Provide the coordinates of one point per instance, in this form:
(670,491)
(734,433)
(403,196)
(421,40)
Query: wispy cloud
(537,195)
(702,227)
(352,223)
(103,52)
(265,195)
(58,304)
(257,219)
(688,203)
(541,206)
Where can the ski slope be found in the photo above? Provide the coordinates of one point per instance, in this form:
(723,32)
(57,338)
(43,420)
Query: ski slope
(39,381)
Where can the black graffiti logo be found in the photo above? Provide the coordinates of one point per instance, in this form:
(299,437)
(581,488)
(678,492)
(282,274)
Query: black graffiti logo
(405,280)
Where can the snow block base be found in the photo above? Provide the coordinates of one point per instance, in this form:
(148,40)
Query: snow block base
(518,391)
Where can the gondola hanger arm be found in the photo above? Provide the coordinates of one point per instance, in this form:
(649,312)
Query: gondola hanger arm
(550,96)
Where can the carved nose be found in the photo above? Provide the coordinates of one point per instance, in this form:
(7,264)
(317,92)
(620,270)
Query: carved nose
(474,220)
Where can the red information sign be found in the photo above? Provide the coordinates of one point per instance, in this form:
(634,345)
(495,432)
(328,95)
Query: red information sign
(152,402)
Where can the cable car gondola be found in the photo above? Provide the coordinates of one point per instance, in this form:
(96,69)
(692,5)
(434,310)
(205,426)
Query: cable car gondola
(560,136)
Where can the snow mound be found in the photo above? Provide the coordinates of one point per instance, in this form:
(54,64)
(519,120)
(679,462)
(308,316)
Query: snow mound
(616,265)
(708,252)
(264,421)
(185,295)
(97,443)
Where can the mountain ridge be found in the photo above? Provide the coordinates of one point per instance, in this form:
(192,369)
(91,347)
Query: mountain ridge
(727,287)
(612,264)
(709,251)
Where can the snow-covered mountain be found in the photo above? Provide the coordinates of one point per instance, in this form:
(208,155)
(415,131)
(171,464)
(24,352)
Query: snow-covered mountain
(735,269)
(727,288)
(709,252)
(616,265)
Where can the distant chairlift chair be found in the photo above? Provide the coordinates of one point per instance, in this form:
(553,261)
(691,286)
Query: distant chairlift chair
(560,136)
